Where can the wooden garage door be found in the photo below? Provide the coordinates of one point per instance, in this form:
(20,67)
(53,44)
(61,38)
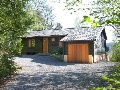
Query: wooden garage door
(78,53)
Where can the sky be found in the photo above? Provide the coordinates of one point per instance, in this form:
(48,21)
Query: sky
(63,16)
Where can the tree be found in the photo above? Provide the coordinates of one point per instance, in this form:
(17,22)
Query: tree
(106,12)
(15,20)
(79,23)
(44,13)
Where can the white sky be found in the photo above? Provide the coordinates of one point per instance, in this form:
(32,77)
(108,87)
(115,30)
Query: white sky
(63,16)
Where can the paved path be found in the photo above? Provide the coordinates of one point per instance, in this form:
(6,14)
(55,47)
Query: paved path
(48,73)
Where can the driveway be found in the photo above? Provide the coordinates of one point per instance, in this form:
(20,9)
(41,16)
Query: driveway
(48,73)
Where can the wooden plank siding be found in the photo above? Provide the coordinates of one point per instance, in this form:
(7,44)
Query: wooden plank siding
(52,45)
(90,46)
(36,49)
(78,53)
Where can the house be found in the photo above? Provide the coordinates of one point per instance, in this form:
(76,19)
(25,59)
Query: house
(44,41)
(84,45)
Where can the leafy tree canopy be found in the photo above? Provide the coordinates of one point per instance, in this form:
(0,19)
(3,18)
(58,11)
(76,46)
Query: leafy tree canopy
(105,12)
(43,13)
(15,19)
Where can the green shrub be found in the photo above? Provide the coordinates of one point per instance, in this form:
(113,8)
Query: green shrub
(60,57)
(115,56)
(7,67)
(113,80)
(58,51)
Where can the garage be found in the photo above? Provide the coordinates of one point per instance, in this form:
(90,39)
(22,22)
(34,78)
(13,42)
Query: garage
(78,53)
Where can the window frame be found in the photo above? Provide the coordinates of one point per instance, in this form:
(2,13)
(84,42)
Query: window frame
(52,39)
(30,41)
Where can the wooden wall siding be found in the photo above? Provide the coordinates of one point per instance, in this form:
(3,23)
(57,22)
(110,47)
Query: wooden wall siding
(90,46)
(53,45)
(37,48)
(78,53)
(65,47)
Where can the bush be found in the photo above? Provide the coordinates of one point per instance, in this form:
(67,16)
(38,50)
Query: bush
(58,51)
(115,56)
(7,67)
(113,81)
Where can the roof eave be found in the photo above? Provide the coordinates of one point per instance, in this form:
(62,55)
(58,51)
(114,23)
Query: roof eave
(76,40)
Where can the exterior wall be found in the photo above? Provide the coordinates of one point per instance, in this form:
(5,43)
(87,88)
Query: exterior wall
(90,46)
(53,45)
(65,58)
(99,57)
(36,49)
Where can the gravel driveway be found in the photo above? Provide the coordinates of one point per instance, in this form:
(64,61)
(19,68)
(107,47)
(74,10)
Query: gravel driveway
(48,73)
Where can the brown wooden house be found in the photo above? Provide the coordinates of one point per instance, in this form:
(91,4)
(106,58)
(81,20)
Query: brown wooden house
(85,45)
(44,41)
(81,45)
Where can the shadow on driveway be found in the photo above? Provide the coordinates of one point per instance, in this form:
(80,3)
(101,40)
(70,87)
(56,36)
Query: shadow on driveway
(48,60)
(57,75)
(55,81)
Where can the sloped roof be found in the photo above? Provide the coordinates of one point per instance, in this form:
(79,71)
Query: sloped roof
(84,33)
(71,34)
(43,33)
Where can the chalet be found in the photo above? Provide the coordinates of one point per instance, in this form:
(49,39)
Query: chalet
(44,41)
(83,45)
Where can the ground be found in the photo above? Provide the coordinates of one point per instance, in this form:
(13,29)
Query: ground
(48,73)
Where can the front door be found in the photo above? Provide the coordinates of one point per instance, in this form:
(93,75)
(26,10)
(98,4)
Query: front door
(45,45)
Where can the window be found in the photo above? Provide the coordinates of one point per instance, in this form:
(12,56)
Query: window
(31,43)
(52,39)
(60,43)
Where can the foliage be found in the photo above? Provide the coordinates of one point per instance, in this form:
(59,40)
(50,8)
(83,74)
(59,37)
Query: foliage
(58,51)
(113,81)
(44,14)
(71,4)
(100,12)
(93,22)
(15,20)
(106,11)
(43,54)
(60,57)
(115,56)
(7,67)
